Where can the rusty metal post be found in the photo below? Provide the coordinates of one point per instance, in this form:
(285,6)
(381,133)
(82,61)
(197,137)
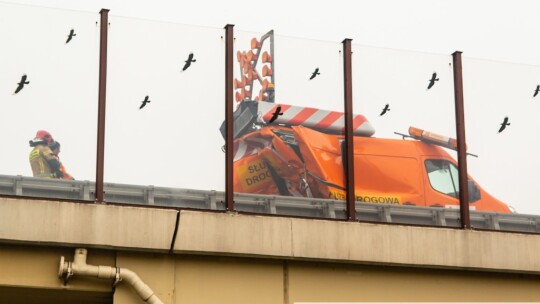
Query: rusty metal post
(348,165)
(461,143)
(101,103)
(229,100)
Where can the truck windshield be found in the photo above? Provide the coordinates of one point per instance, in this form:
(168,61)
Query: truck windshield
(443,176)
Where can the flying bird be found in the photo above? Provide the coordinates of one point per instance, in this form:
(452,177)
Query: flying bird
(315,73)
(275,114)
(386,109)
(21,84)
(504,124)
(537,90)
(432,80)
(70,36)
(144,102)
(189,61)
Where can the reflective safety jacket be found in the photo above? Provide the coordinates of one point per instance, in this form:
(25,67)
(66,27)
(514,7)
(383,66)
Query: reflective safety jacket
(44,163)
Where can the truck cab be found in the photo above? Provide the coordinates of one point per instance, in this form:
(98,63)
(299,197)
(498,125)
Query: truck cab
(390,171)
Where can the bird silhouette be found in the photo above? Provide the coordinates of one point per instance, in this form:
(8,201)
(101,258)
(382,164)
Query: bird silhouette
(537,90)
(386,109)
(275,114)
(144,102)
(432,80)
(315,73)
(504,124)
(21,84)
(70,36)
(188,62)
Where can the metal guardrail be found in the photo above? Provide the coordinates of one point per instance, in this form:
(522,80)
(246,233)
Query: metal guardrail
(265,204)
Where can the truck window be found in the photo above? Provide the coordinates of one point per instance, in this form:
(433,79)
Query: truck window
(443,176)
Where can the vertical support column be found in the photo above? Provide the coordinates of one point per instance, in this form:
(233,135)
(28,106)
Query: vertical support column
(461,143)
(349,158)
(101,103)
(229,100)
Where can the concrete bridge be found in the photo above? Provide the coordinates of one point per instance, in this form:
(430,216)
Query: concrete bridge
(186,256)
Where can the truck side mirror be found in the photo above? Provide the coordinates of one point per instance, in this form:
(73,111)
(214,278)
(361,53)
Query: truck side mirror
(474,192)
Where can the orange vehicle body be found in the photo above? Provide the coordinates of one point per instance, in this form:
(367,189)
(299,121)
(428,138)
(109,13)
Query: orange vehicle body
(300,161)
(282,149)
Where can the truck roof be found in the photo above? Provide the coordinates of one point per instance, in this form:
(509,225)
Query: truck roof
(397,147)
(373,145)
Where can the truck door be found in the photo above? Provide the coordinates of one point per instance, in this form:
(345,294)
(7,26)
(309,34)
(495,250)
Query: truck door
(442,183)
(388,179)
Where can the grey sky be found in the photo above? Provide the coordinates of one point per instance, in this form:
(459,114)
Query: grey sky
(501,30)
(495,30)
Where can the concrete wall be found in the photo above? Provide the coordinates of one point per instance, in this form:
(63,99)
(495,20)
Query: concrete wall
(231,258)
(180,279)
(308,239)
(65,223)
(188,279)
(229,234)
(361,283)
(241,280)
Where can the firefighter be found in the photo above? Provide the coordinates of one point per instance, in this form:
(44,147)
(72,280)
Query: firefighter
(55,147)
(42,160)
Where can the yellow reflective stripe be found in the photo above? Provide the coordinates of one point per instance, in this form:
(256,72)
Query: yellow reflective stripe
(34,154)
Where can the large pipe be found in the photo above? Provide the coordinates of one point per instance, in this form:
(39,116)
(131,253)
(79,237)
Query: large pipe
(79,267)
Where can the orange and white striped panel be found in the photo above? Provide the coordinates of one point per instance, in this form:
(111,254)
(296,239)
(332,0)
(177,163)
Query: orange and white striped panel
(314,118)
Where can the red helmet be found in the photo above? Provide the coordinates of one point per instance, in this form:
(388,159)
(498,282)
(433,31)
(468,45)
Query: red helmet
(44,136)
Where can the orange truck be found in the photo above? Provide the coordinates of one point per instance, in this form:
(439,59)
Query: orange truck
(298,151)
(299,154)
